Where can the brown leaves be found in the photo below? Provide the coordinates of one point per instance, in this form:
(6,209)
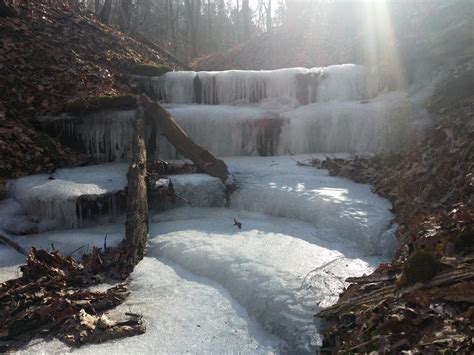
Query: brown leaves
(50,299)
(49,54)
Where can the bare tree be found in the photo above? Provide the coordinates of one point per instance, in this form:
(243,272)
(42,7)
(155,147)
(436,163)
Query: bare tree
(245,20)
(125,12)
(269,16)
(104,15)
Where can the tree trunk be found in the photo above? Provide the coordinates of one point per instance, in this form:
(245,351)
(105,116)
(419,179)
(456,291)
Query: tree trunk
(105,12)
(246,20)
(136,226)
(269,16)
(96,7)
(125,9)
(202,158)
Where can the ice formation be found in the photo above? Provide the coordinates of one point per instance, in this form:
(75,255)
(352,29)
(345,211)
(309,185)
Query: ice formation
(384,124)
(339,208)
(105,136)
(278,269)
(228,130)
(254,289)
(74,198)
(338,82)
(64,198)
(341,108)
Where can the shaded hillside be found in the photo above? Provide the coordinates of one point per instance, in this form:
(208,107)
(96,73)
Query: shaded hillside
(51,53)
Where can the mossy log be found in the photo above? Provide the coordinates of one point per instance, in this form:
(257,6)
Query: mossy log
(202,158)
(150,69)
(98,103)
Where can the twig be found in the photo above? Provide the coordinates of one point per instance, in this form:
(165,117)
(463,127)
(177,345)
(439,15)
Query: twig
(319,268)
(5,240)
(77,249)
(105,243)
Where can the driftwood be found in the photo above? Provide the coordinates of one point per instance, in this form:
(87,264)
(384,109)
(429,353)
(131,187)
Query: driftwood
(136,226)
(202,158)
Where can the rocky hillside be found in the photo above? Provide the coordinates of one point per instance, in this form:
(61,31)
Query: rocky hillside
(50,53)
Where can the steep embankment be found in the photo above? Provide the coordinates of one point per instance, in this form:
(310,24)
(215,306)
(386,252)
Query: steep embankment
(49,54)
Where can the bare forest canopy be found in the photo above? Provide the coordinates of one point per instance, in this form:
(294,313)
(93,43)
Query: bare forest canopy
(270,34)
(314,33)
(191,28)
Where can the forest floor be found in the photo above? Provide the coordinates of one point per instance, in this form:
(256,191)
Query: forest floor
(48,56)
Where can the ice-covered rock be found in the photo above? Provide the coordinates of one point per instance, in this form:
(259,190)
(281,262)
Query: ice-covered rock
(70,197)
(78,197)
(197,190)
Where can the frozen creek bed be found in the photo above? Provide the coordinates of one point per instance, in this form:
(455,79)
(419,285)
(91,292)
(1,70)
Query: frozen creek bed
(207,286)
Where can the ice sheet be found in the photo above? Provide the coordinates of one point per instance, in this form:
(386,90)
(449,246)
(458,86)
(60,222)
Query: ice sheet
(338,207)
(206,285)
(278,269)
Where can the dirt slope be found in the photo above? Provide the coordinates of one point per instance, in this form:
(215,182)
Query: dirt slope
(51,53)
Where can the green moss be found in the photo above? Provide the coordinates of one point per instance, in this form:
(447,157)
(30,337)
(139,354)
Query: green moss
(149,69)
(421,266)
(98,103)
(464,241)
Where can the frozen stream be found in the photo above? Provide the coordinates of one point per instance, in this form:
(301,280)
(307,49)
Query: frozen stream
(207,286)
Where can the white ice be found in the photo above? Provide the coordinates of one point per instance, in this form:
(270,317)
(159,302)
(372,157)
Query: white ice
(56,202)
(338,82)
(223,130)
(55,197)
(338,207)
(384,124)
(233,289)
(182,312)
(279,269)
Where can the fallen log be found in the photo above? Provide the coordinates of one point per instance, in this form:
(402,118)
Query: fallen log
(202,158)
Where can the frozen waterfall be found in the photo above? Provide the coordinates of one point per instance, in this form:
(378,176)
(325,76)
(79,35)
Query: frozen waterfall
(338,82)
(206,284)
(342,108)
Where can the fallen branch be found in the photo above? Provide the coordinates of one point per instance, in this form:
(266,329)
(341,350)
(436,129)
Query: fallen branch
(5,240)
